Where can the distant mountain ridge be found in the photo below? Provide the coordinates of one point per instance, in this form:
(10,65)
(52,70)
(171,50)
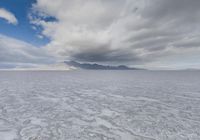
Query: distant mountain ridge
(98,66)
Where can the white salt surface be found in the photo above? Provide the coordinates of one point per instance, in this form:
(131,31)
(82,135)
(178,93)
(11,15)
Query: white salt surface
(99,105)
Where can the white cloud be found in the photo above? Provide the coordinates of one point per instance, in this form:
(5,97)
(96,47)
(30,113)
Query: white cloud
(10,17)
(110,31)
(14,52)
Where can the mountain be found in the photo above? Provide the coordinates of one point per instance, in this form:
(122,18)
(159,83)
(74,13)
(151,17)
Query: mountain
(98,66)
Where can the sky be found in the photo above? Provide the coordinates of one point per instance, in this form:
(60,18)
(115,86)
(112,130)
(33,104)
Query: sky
(152,34)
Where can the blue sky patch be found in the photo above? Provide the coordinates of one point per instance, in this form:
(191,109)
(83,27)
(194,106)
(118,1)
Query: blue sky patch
(23,30)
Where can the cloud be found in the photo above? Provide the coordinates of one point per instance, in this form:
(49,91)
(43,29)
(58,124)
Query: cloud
(111,31)
(14,52)
(10,17)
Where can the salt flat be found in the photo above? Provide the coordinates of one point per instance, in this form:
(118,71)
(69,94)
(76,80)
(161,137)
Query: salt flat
(100,105)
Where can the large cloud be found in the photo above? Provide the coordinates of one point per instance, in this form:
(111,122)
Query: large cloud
(15,53)
(132,31)
(10,17)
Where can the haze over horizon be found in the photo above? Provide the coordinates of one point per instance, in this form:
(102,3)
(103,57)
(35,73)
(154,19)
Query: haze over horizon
(151,34)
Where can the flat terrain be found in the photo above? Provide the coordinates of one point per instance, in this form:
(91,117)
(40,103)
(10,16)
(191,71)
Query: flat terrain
(100,105)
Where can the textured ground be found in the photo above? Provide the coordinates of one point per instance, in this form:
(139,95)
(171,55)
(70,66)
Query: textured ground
(100,105)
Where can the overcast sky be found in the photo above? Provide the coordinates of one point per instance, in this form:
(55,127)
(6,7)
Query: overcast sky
(154,34)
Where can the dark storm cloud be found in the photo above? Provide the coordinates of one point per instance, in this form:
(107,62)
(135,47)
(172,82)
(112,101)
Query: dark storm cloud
(91,51)
(105,56)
